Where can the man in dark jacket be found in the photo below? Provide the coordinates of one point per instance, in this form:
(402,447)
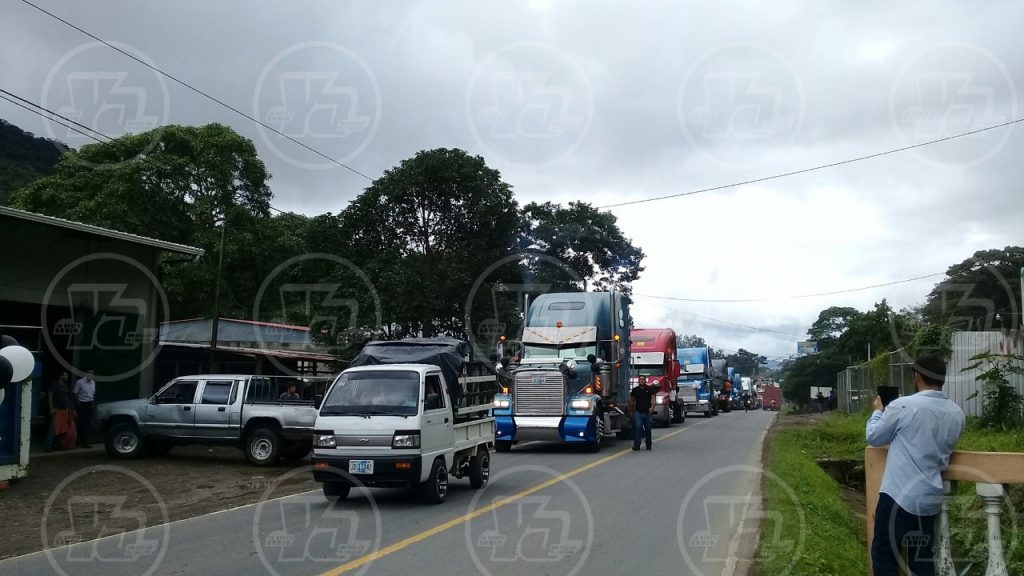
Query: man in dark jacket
(640,400)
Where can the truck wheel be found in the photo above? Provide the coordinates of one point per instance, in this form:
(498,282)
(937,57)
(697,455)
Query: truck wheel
(435,489)
(595,446)
(295,452)
(262,447)
(336,491)
(503,445)
(123,441)
(479,469)
(678,414)
(708,414)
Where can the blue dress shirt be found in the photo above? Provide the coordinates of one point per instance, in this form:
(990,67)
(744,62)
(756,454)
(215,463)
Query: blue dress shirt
(922,430)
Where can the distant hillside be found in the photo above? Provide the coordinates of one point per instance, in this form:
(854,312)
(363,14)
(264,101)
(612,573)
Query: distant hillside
(24,157)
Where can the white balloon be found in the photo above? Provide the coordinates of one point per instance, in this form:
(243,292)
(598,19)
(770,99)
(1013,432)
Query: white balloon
(22,362)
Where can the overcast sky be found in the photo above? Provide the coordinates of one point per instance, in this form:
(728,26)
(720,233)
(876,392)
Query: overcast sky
(605,102)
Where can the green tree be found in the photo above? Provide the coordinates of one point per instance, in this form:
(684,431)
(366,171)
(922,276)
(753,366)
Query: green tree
(24,157)
(980,293)
(689,341)
(831,324)
(182,189)
(425,231)
(583,239)
(746,363)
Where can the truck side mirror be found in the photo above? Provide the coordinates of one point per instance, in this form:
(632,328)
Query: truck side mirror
(591,358)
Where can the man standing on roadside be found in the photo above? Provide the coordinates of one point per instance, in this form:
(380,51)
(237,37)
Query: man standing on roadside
(640,405)
(85,396)
(921,430)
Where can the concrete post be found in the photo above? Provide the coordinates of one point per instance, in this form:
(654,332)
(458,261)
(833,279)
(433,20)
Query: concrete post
(992,494)
(943,553)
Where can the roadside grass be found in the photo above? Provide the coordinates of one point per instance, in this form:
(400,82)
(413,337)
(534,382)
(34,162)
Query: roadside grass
(834,541)
(807,528)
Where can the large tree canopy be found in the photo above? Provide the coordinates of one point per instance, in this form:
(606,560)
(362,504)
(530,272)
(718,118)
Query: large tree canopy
(980,293)
(584,240)
(180,184)
(426,231)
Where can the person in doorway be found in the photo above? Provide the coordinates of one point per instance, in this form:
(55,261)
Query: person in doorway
(819,400)
(921,429)
(640,399)
(292,395)
(85,405)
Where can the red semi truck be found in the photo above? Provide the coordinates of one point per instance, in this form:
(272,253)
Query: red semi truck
(653,356)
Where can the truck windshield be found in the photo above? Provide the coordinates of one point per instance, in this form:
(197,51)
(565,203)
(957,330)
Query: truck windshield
(374,393)
(544,351)
(655,370)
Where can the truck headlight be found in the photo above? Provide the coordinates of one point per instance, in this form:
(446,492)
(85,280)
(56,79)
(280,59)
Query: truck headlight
(501,403)
(326,441)
(581,404)
(406,441)
(659,400)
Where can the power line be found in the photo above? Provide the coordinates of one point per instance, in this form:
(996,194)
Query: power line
(51,112)
(811,169)
(198,91)
(68,126)
(797,297)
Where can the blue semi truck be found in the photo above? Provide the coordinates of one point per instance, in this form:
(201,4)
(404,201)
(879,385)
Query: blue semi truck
(569,380)
(695,378)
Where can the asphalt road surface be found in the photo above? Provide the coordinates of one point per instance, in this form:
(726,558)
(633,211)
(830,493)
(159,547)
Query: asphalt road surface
(690,506)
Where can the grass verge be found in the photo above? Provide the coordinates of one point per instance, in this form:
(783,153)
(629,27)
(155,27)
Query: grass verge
(808,528)
(801,498)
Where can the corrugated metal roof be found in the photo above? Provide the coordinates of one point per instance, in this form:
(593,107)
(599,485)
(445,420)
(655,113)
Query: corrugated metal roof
(98,231)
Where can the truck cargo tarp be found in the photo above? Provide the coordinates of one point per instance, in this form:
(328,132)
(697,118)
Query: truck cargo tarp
(447,353)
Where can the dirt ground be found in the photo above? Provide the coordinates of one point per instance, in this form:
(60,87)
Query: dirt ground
(83,494)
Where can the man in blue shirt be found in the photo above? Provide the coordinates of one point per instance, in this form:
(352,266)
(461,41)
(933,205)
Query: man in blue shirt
(921,430)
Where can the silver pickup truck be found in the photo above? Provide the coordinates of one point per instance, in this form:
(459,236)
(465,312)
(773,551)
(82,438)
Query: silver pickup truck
(242,410)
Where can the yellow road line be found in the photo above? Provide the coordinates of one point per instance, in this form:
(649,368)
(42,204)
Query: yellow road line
(388,550)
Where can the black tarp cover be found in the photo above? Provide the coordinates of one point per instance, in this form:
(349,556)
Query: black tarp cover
(446,353)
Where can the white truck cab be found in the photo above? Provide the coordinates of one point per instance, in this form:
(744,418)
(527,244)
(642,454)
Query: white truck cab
(396,425)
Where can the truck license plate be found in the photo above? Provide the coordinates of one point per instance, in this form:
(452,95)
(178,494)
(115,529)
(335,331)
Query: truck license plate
(360,466)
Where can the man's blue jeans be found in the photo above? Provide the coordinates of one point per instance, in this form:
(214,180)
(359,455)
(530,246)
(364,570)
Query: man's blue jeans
(641,428)
(896,528)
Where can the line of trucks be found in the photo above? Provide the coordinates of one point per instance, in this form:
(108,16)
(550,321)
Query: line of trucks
(407,414)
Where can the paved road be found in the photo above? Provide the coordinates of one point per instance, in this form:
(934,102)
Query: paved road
(687,507)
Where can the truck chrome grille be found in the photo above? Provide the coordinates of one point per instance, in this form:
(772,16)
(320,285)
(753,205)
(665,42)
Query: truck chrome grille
(539,394)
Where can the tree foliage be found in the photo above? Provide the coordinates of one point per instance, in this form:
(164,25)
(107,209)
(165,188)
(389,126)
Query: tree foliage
(980,293)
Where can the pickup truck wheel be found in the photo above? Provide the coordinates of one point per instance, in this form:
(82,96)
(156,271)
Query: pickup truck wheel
(262,447)
(479,469)
(435,489)
(123,441)
(503,445)
(336,491)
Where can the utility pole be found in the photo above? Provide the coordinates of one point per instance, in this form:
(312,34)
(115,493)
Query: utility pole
(216,297)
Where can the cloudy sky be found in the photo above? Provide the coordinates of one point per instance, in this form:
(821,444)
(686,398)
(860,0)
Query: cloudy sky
(607,102)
